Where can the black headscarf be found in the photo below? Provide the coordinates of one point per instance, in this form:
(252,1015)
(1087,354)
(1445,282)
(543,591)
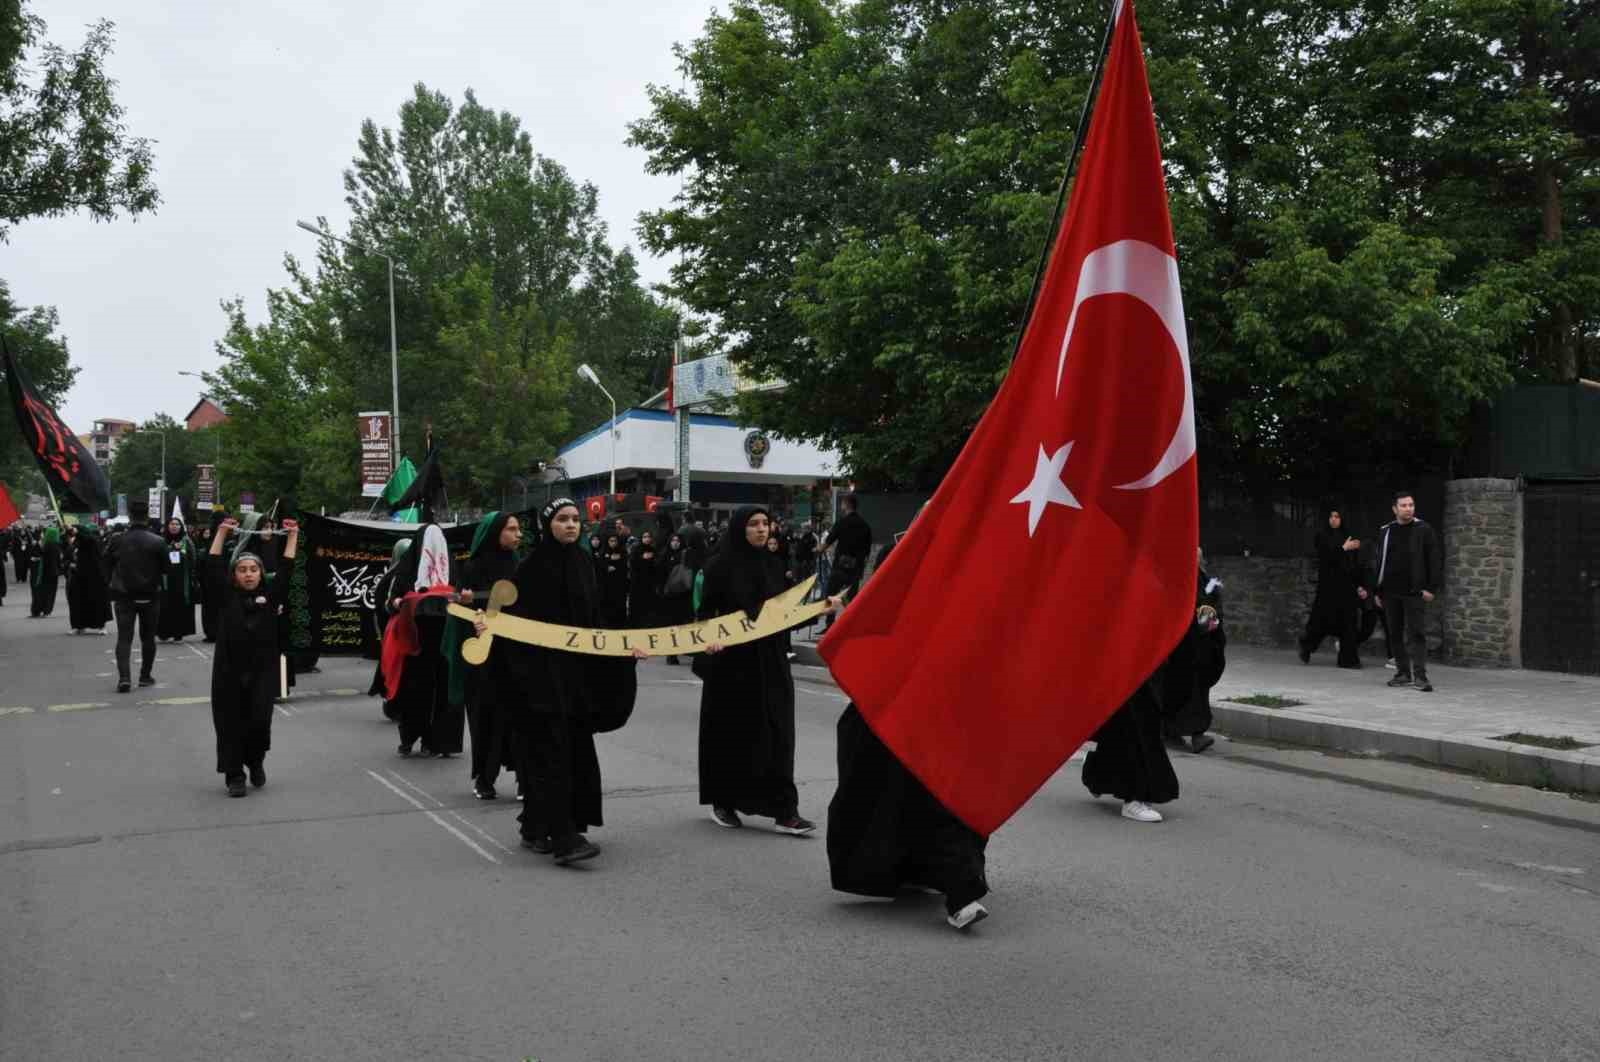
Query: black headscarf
(740,573)
(556,583)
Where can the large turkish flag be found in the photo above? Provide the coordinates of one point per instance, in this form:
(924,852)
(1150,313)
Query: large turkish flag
(1054,569)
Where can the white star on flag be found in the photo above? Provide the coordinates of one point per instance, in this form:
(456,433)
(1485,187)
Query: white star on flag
(1046,488)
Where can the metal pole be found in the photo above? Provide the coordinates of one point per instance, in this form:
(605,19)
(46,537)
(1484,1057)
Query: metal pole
(613,444)
(394,370)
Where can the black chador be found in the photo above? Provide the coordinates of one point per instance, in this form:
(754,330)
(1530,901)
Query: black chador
(1192,669)
(1336,610)
(559,700)
(644,583)
(177,585)
(887,833)
(474,687)
(244,670)
(88,601)
(612,568)
(45,575)
(747,703)
(1129,760)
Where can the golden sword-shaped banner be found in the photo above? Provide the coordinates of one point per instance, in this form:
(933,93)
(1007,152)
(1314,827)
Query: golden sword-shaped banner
(779,613)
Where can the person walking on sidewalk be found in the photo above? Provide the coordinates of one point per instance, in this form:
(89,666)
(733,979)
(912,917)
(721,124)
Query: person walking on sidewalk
(1336,611)
(136,560)
(1409,570)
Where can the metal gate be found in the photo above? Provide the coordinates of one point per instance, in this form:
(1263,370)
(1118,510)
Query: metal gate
(1561,577)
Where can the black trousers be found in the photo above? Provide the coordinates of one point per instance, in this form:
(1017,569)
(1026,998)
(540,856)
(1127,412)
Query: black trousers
(147,613)
(1406,617)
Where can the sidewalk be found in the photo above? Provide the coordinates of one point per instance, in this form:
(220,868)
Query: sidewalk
(1455,726)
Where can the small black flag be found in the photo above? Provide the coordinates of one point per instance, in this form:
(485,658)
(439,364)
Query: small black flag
(79,483)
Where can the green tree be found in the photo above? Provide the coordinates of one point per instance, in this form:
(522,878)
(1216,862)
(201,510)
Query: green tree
(137,465)
(31,336)
(505,282)
(63,146)
(1360,191)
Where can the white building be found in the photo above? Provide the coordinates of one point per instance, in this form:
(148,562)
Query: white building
(730,465)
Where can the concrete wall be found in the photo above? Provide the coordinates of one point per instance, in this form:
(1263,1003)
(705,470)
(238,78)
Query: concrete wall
(1482,600)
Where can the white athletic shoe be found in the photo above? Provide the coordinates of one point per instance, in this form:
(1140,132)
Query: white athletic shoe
(968,916)
(1139,811)
(1390,664)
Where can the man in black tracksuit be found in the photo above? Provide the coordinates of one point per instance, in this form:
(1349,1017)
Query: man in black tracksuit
(134,563)
(1409,572)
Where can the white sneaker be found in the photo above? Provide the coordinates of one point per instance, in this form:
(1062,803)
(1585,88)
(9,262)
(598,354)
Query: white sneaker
(1139,811)
(968,916)
(1389,664)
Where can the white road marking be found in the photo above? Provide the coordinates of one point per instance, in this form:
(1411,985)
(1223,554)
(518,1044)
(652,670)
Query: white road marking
(1550,869)
(283,711)
(409,799)
(417,789)
(76,707)
(823,693)
(196,650)
(178,700)
(16,711)
(480,832)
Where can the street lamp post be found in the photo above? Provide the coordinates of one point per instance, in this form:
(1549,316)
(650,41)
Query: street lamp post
(588,374)
(394,349)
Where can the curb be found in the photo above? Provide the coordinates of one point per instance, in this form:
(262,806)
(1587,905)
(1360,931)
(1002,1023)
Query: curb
(1577,772)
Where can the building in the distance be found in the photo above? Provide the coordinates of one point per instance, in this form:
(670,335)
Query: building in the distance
(108,435)
(205,414)
(730,464)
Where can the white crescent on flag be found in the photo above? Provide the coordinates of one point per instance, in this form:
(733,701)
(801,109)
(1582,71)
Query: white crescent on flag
(1149,274)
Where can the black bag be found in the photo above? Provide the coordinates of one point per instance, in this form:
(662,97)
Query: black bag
(613,688)
(846,563)
(679,581)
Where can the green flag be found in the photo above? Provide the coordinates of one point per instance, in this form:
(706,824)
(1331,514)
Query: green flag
(395,489)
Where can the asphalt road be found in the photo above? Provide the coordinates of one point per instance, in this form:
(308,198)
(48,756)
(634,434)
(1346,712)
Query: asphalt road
(366,907)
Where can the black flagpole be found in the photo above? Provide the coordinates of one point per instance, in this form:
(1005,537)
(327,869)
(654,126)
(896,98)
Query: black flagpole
(1066,178)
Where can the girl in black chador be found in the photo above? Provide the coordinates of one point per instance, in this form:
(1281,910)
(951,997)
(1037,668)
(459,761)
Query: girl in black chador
(747,704)
(177,586)
(644,583)
(612,568)
(244,670)
(684,560)
(559,700)
(494,558)
(45,557)
(88,601)
(1336,611)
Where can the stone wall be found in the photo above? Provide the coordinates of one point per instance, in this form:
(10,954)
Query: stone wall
(1265,600)
(1482,599)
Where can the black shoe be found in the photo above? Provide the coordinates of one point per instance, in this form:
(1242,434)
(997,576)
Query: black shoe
(1201,742)
(147,680)
(577,853)
(236,786)
(725,817)
(1422,685)
(794,826)
(538,844)
(1400,680)
(484,792)
(424,753)
(672,661)
(124,686)
(258,775)
(404,751)
(1305,655)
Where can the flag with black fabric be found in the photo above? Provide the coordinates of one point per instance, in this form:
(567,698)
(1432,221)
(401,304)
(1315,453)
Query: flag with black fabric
(76,480)
(426,492)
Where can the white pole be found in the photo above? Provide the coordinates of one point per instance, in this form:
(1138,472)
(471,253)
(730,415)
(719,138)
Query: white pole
(394,370)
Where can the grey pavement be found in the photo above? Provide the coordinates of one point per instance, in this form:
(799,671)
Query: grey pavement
(365,907)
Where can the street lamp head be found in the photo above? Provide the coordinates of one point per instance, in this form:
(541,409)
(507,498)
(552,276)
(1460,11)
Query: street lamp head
(311,228)
(588,374)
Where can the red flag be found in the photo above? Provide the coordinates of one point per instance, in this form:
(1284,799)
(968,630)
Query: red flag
(1054,569)
(8,510)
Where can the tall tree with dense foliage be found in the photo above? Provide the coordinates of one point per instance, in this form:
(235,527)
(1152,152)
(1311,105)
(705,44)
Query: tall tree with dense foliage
(504,281)
(1356,194)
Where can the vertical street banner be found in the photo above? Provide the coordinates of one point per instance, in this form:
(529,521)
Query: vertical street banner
(247,501)
(153,505)
(377,451)
(205,490)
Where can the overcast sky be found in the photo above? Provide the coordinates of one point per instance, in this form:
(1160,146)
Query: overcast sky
(255,108)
